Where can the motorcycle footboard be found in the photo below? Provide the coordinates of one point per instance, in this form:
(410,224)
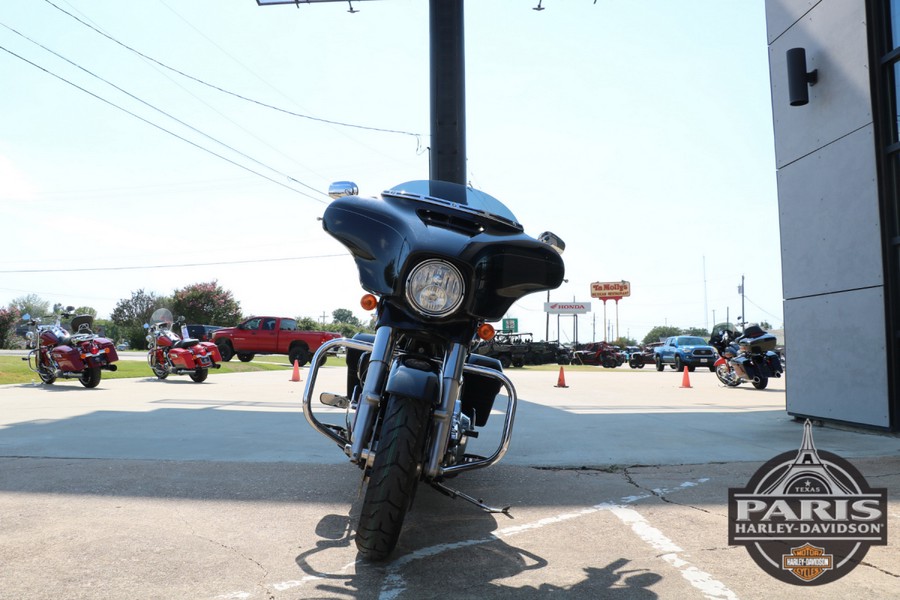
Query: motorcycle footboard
(332,432)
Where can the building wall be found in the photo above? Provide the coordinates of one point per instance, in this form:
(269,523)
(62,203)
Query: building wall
(833,277)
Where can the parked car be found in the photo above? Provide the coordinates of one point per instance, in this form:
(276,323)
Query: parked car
(204,333)
(270,335)
(682,351)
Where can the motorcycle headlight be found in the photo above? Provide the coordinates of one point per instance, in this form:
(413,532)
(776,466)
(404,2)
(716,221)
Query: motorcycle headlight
(435,288)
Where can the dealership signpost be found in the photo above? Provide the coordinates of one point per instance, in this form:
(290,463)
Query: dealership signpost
(610,290)
(567,308)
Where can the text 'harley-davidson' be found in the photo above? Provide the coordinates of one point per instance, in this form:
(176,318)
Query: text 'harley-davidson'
(439,261)
(749,356)
(172,354)
(57,353)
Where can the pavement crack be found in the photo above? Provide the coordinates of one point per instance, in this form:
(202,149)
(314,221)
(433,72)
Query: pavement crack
(659,493)
(880,570)
(269,594)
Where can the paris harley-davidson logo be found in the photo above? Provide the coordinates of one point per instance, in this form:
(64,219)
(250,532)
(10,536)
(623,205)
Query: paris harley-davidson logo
(807,517)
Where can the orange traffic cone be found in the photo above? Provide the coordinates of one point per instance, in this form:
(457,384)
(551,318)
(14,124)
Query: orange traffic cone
(296,376)
(561,382)
(685,379)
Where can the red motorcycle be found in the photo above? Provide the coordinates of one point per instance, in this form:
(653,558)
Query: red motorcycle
(57,353)
(173,354)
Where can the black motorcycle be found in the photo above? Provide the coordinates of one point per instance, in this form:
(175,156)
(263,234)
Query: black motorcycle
(439,260)
(749,356)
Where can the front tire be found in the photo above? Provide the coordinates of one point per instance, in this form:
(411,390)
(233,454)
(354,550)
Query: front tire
(393,478)
(245,357)
(46,375)
(659,364)
(90,377)
(226,351)
(200,375)
(727,376)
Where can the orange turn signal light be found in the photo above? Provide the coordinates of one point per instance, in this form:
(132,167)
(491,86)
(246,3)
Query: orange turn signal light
(369,302)
(486,332)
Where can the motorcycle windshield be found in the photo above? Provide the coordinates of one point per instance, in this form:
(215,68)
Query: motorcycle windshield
(457,196)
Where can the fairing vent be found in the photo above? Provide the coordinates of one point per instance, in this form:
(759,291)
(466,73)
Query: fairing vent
(467,227)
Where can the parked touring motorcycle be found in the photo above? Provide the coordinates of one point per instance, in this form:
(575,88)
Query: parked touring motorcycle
(171,354)
(749,356)
(439,261)
(57,353)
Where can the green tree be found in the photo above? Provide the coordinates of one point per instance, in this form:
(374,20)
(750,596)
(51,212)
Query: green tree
(8,319)
(206,303)
(131,314)
(32,304)
(86,310)
(345,315)
(308,324)
(698,331)
(661,332)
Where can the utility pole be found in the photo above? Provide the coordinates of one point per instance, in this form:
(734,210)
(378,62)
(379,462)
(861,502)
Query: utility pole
(743,309)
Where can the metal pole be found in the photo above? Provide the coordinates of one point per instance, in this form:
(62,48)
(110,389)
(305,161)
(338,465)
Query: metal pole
(617,318)
(448,91)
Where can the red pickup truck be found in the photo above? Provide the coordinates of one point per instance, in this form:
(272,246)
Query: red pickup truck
(270,335)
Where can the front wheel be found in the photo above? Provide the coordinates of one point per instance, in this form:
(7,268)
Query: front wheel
(727,376)
(46,375)
(226,351)
(245,357)
(90,377)
(659,364)
(393,478)
(200,375)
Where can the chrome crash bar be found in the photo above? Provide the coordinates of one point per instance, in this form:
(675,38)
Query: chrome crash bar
(332,432)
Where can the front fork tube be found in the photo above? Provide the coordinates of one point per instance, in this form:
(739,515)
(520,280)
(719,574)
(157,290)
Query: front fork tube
(370,398)
(454,362)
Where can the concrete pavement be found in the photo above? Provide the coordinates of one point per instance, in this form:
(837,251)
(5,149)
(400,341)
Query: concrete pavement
(618,487)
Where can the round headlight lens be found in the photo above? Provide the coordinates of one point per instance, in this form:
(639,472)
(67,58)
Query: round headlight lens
(435,288)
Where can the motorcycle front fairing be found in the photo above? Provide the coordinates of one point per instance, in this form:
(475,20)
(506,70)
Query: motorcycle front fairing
(389,236)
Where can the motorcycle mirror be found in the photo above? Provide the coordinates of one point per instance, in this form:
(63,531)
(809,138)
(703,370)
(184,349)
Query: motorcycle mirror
(146,326)
(70,309)
(26,317)
(552,240)
(339,189)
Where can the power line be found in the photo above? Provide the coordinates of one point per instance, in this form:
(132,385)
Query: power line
(178,266)
(417,136)
(177,120)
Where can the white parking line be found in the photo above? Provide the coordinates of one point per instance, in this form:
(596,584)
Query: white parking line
(394,583)
(711,588)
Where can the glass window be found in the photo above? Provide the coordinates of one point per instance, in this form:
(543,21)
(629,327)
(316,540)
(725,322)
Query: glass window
(288,325)
(894,23)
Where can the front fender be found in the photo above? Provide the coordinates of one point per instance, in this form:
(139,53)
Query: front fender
(720,362)
(413,382)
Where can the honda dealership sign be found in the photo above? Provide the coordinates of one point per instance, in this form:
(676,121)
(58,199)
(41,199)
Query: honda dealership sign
(567,308)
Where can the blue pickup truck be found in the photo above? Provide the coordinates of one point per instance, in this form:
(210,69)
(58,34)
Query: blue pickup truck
(682,351)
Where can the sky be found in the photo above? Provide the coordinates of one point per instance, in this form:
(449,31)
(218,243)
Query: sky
(158,144)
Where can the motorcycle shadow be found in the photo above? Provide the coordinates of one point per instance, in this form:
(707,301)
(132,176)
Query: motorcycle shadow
(440,542)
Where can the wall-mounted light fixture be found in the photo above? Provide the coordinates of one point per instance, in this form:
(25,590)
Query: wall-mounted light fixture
(798,78)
